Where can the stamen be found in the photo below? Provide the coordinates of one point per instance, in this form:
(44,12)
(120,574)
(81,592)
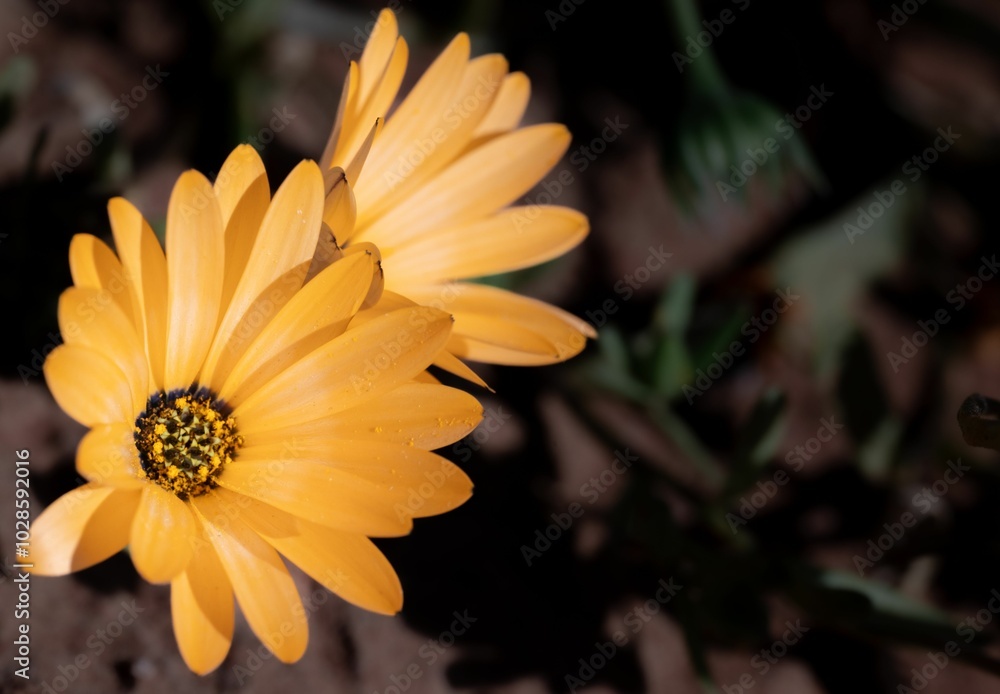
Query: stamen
(185,439)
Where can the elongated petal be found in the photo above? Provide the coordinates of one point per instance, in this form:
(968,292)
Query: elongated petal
(81,528)
(347,564)
(513,239)
(93,264)
(475,185)
(144,262)
(107,455)
(162,532)
(446,131)
(507,109)
(195,257)
(361,364)
(201,603)
(263,587)
(244,195)
(499,326)
(312,489)
(425,415)
(430,97)
(287,238)
(315,315)
(91,318)
(384,480)
(88,386)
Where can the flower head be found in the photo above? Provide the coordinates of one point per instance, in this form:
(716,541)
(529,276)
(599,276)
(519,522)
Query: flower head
(237,414)
(434,183)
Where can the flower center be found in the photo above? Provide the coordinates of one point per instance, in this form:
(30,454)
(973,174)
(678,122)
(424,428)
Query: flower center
(185,439)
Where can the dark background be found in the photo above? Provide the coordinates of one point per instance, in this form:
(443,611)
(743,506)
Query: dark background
(703,453)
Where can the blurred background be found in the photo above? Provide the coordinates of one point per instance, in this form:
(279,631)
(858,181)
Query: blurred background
(753,481)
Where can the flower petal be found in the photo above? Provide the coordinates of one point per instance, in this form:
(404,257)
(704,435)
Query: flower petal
(347,564)
(287,238)
(502,327)
(201,603)
(107,455)
(507,109)
(244,195)
(91,318)
(312,489)
(515,238)
(88,386)
(263,587)
(363,363)
(143,262)
(425,415)
(389,481)
(474,186)
(312,317)
(81,528)
(162,533)
(93,264)
(195,258)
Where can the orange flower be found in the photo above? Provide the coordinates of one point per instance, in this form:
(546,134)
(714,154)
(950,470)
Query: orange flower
(433,188)
(235,416)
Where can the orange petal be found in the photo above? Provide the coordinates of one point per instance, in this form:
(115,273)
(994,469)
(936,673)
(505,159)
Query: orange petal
(91,318)
(143,261)
(361,364)
(428,416)
(195,258)
(388,481)
(313,316)
(81,528)
(347,564)
(93,264)
(201,603)
(515,238)
(264,589)
(88,386)
(474,186)
(318,491)
(287,238)
(507,109)
(497,326)
(162,532)
(107,455)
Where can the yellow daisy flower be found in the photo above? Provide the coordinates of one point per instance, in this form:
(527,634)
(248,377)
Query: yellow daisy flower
(235,416)
(433,189)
